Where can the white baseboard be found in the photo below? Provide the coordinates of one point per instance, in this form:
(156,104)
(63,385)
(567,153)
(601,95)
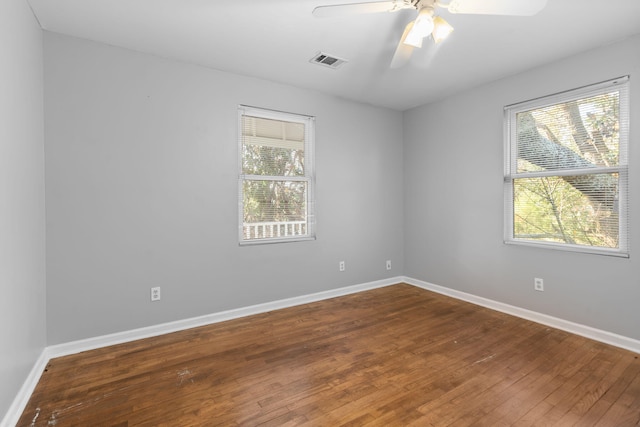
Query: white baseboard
(208,319)
(21,400)
(565,325)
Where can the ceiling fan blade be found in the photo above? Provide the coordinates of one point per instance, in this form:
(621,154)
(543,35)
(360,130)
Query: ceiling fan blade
(331,11)
(497,7)
(403,51)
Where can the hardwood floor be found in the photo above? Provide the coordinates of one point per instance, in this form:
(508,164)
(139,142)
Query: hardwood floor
(395,356)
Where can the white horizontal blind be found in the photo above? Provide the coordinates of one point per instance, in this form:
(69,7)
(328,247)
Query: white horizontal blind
(566,170)
(275,176)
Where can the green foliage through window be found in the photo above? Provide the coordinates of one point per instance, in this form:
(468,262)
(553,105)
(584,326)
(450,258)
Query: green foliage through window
(566,169)
(275,181)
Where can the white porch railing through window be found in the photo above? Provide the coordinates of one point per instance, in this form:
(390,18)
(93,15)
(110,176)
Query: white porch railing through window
(266,230)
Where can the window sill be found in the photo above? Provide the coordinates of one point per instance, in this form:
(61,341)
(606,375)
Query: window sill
(276,240)
(570,248)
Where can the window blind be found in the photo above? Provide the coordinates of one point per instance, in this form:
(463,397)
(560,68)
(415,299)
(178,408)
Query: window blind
(275,176)
(566,170)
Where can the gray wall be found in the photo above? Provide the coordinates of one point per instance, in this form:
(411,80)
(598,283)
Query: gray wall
(142,191)
(453,159)
(22,259)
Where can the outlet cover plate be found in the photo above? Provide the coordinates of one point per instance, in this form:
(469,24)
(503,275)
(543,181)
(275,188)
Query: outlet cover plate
(538,284)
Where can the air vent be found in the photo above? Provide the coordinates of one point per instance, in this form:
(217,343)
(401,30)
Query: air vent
(327,60)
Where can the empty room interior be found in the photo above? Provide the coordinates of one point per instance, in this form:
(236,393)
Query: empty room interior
(319,212)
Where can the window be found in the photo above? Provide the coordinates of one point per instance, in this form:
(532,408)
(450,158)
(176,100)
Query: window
(566,170)
(276,177)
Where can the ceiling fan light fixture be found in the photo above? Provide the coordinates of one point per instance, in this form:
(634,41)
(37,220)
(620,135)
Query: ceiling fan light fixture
(413,40)
(422,27)
(441,29)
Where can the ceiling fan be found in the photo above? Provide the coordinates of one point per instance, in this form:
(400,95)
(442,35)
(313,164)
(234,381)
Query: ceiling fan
(427,23)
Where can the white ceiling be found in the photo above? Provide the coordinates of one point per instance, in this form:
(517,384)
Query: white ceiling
(274,40)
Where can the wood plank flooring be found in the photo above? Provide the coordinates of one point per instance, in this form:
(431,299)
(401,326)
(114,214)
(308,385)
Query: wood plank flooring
(394,356)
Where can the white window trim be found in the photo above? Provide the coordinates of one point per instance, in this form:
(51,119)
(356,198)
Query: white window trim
(309,145)
(510,174)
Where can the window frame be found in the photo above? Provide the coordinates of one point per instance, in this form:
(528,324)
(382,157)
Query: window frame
(511,174)
(308,178)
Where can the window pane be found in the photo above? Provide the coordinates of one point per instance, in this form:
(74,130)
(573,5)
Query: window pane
(581,210)
(577,134)
(274,209)
(272,147)
(275,185)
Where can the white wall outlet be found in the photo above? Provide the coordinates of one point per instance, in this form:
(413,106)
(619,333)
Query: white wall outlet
(341,266)
(155,293)
(538,284)
(388,264)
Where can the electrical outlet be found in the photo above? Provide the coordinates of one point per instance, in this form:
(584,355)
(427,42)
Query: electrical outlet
(341,266)
(155,293)
(388,264)
(538,284)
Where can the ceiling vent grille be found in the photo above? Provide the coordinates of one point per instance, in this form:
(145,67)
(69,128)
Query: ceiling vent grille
(327,60)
